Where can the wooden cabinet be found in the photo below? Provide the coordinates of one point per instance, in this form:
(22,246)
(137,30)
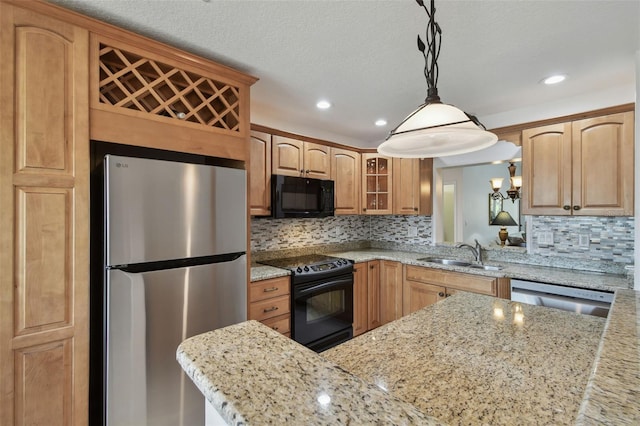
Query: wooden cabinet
(425,286)
(580,168)
(44,220)
(345,172)
(292,157)
(270,303)
(360,299)
(412,186)
(390,291)
(377,187)
(260,174)
(373,294)
(149,94)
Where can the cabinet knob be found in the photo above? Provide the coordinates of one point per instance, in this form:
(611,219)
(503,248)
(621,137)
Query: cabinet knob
(364,209)
(566,207)
(307,171)
(415,209)
(371,267)
(441,294)
(576,208)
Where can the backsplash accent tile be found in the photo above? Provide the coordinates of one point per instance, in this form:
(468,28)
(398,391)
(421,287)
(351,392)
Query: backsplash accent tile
(282,234)
(395,229)
(610,238)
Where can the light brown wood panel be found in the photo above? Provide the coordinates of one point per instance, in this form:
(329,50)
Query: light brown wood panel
(454,280)
(412,186)
(345,172)
(43,104)
(45,261)
(360,299)
(390,291)
(281,323)
(603,165)
(373,294)
(44,389)
(317,161)
(287,156)
(266,289)
(269,308)
(417,295)
(546,170)
(260,174)
(44,219)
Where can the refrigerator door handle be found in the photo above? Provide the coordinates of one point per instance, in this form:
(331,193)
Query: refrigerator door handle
(179,263)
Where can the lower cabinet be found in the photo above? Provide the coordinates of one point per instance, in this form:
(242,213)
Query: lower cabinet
(425,286)
(390,291)
(270,303)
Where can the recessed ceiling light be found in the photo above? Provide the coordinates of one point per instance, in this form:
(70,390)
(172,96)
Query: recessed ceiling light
(323,104)
(381,122)
(554,79)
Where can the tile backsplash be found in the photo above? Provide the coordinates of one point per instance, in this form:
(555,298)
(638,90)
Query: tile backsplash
(603,238)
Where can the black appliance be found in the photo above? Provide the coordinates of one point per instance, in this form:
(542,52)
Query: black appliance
(321,299)
(295,196)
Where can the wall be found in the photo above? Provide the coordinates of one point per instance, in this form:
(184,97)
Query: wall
(611,238)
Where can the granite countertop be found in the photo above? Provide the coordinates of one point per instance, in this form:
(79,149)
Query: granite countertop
(465,360)
(552,275)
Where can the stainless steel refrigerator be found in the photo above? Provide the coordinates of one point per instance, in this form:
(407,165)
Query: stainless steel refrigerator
(175,239)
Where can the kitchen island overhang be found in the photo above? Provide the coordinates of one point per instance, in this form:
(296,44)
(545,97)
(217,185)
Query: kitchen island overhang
(253,375)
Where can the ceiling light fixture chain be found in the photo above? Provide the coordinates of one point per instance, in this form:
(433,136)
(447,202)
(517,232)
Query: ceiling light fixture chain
(431,51)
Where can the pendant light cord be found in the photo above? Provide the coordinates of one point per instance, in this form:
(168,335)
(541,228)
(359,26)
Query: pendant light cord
(431,51)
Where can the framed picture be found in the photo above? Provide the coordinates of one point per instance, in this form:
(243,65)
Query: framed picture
(495,207)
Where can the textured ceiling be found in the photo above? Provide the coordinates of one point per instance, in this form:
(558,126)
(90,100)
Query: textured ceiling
(362,55)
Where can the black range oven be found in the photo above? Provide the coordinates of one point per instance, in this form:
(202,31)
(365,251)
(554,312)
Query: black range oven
(321,299)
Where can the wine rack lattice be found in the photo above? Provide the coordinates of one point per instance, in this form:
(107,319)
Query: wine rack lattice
(128,80)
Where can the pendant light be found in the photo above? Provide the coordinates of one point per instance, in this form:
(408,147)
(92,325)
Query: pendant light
(435,129)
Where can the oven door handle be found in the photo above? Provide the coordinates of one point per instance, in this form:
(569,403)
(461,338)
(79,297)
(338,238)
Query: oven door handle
(314,288)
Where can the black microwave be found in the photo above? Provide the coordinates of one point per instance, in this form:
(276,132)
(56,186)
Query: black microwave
(297,196)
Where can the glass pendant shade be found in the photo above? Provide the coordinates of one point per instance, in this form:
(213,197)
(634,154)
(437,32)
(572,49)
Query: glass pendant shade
(496,183)
(516,182)
(436,130)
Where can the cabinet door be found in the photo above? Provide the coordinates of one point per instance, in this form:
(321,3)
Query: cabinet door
(260,174)
(377,187)
(317,161)
(360,300)
(390,291)
(412,186)
(287,156)
(417,295)
(373,294)
(603,166)
(345,172)
(546,170)
(44,220)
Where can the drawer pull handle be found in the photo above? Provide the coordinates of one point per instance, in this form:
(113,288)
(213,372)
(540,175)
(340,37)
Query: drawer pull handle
(275,328)
(269,290)
(271,309)
(441,294)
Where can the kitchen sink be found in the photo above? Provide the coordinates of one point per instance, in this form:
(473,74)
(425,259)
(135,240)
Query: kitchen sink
(455,262)
(452,262)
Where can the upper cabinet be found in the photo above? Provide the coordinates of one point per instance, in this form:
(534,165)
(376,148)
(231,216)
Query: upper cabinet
(260,174)
(148,94)
(293,157)
(345,172)
(412,186)
(377,186)
(580,168)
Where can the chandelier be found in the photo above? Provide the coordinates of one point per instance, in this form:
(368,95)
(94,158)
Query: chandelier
(435,129)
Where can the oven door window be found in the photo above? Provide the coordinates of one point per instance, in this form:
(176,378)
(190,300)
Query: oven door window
(326,305)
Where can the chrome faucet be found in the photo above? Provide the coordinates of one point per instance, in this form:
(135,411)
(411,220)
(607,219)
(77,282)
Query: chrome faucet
(477,250)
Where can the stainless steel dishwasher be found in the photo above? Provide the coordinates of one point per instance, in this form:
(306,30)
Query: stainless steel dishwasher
(580,300)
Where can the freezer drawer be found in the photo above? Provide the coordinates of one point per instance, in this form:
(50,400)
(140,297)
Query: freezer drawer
(148,315)
(160,210)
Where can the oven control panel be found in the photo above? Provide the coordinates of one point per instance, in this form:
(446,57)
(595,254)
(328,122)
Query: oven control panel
(320,267)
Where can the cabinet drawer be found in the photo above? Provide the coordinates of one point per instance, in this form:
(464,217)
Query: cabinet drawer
(457,280)
(281,323)
(266,289)
(269,308)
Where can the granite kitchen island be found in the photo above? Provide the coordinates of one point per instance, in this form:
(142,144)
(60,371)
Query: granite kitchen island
(469,359)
